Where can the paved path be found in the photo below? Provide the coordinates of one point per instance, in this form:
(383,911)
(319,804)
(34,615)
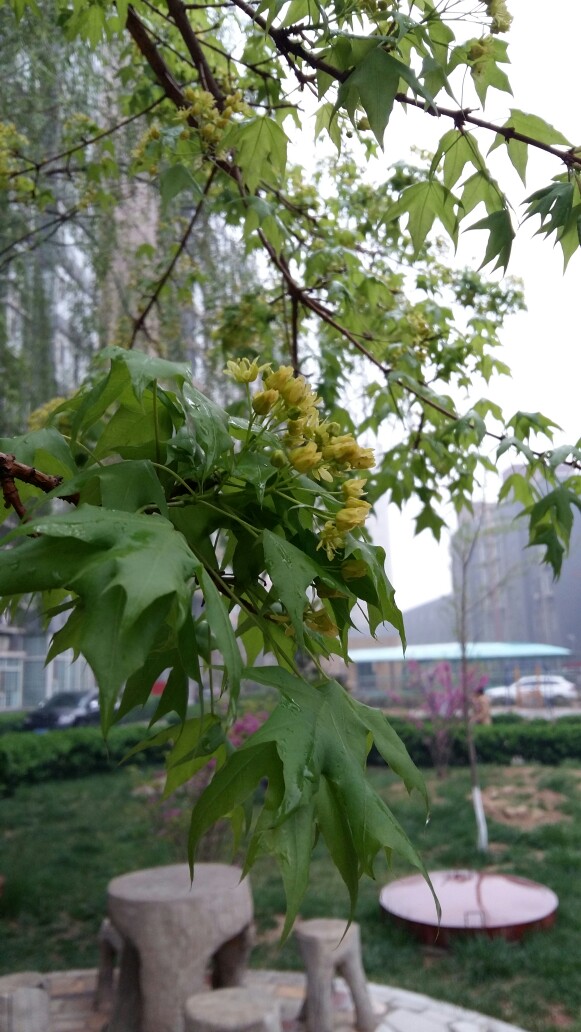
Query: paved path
(399,1010)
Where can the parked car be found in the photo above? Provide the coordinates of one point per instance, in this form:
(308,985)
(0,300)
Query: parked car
(552,688)
(66,709)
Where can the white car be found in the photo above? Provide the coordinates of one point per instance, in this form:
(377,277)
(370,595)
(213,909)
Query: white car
(551,688)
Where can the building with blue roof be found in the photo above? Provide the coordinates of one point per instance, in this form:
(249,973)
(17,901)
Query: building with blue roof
(378,671)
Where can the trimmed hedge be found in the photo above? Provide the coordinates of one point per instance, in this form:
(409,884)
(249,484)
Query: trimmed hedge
(26,757)
(11,721)
(535,741)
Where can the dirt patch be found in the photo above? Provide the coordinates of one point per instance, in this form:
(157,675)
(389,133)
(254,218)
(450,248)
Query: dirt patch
(497,848)
(558,1016)
(520,803)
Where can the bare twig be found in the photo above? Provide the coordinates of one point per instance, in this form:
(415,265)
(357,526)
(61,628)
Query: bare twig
(139,321)
(49,228)
(37,166)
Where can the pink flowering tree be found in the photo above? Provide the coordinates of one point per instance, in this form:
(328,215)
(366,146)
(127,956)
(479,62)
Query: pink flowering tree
(442,694)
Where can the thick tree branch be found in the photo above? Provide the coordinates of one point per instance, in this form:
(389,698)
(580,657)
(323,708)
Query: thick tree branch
(180,17)
(11,470)
(140,36)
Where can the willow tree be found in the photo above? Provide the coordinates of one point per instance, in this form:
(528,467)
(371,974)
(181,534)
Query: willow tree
(195,536)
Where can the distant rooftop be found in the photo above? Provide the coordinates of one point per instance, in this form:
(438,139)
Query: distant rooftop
(451,651)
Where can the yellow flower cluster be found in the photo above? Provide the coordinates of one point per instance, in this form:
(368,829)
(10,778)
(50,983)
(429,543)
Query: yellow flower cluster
(311,445)
(501,17)
(353,514)
(11,143)
(211,120)
(42,416)
(147,142)
(242,370)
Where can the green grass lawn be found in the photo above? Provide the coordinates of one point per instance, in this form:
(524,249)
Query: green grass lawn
(61,842)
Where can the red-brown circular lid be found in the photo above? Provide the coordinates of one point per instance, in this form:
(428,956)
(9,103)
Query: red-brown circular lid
(471,901)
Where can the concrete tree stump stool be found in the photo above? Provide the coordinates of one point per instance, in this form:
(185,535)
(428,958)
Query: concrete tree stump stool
(233,1010)
(24,1003)
(325,948)
(173,932)
(110,950)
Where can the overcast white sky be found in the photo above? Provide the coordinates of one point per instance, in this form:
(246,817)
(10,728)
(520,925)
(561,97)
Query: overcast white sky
(541,345)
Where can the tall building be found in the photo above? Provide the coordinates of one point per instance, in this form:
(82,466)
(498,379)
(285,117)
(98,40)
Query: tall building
(502,591)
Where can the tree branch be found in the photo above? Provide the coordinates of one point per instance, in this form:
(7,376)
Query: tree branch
(141,38)
(180,17)
(37,166)
(139,321)
(11,470)
(459,116)
(286,46)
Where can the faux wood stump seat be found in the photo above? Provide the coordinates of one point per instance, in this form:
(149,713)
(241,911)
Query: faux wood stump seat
(24,1003)
(110,950)
(232,1010)
(173,932)
(325,948)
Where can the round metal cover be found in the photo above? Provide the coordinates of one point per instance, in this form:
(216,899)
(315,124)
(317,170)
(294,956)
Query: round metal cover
(473,902)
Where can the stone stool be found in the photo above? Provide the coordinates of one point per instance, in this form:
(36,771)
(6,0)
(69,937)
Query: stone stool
(232,1010)
(24,1003)
(173,931)
(325,947)
(110,948)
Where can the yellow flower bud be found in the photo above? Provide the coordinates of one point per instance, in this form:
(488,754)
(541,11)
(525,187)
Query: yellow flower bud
(305,458)
(263,402)
(278,459)
(349,518)
(277,379)
(243,371)
(294,391)
(341,449)
(353,488)
(365,459)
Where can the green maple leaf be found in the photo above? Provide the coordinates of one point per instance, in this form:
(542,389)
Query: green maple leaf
(261,148)
(501,236)
(373,84)
(313,751)
(291,572)
(127,570)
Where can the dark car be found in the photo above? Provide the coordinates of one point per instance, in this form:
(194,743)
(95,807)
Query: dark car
(67,709)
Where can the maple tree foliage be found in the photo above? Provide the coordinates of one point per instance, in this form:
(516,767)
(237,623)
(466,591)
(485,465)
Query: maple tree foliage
(203,530)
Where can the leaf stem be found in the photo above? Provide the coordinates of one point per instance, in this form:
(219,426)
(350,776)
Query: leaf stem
(155,423)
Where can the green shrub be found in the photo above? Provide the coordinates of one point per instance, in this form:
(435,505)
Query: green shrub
(507,718)
(11,722)
(536,741)
(26,757)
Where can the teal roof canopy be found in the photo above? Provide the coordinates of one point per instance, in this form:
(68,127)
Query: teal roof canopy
(450,651)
